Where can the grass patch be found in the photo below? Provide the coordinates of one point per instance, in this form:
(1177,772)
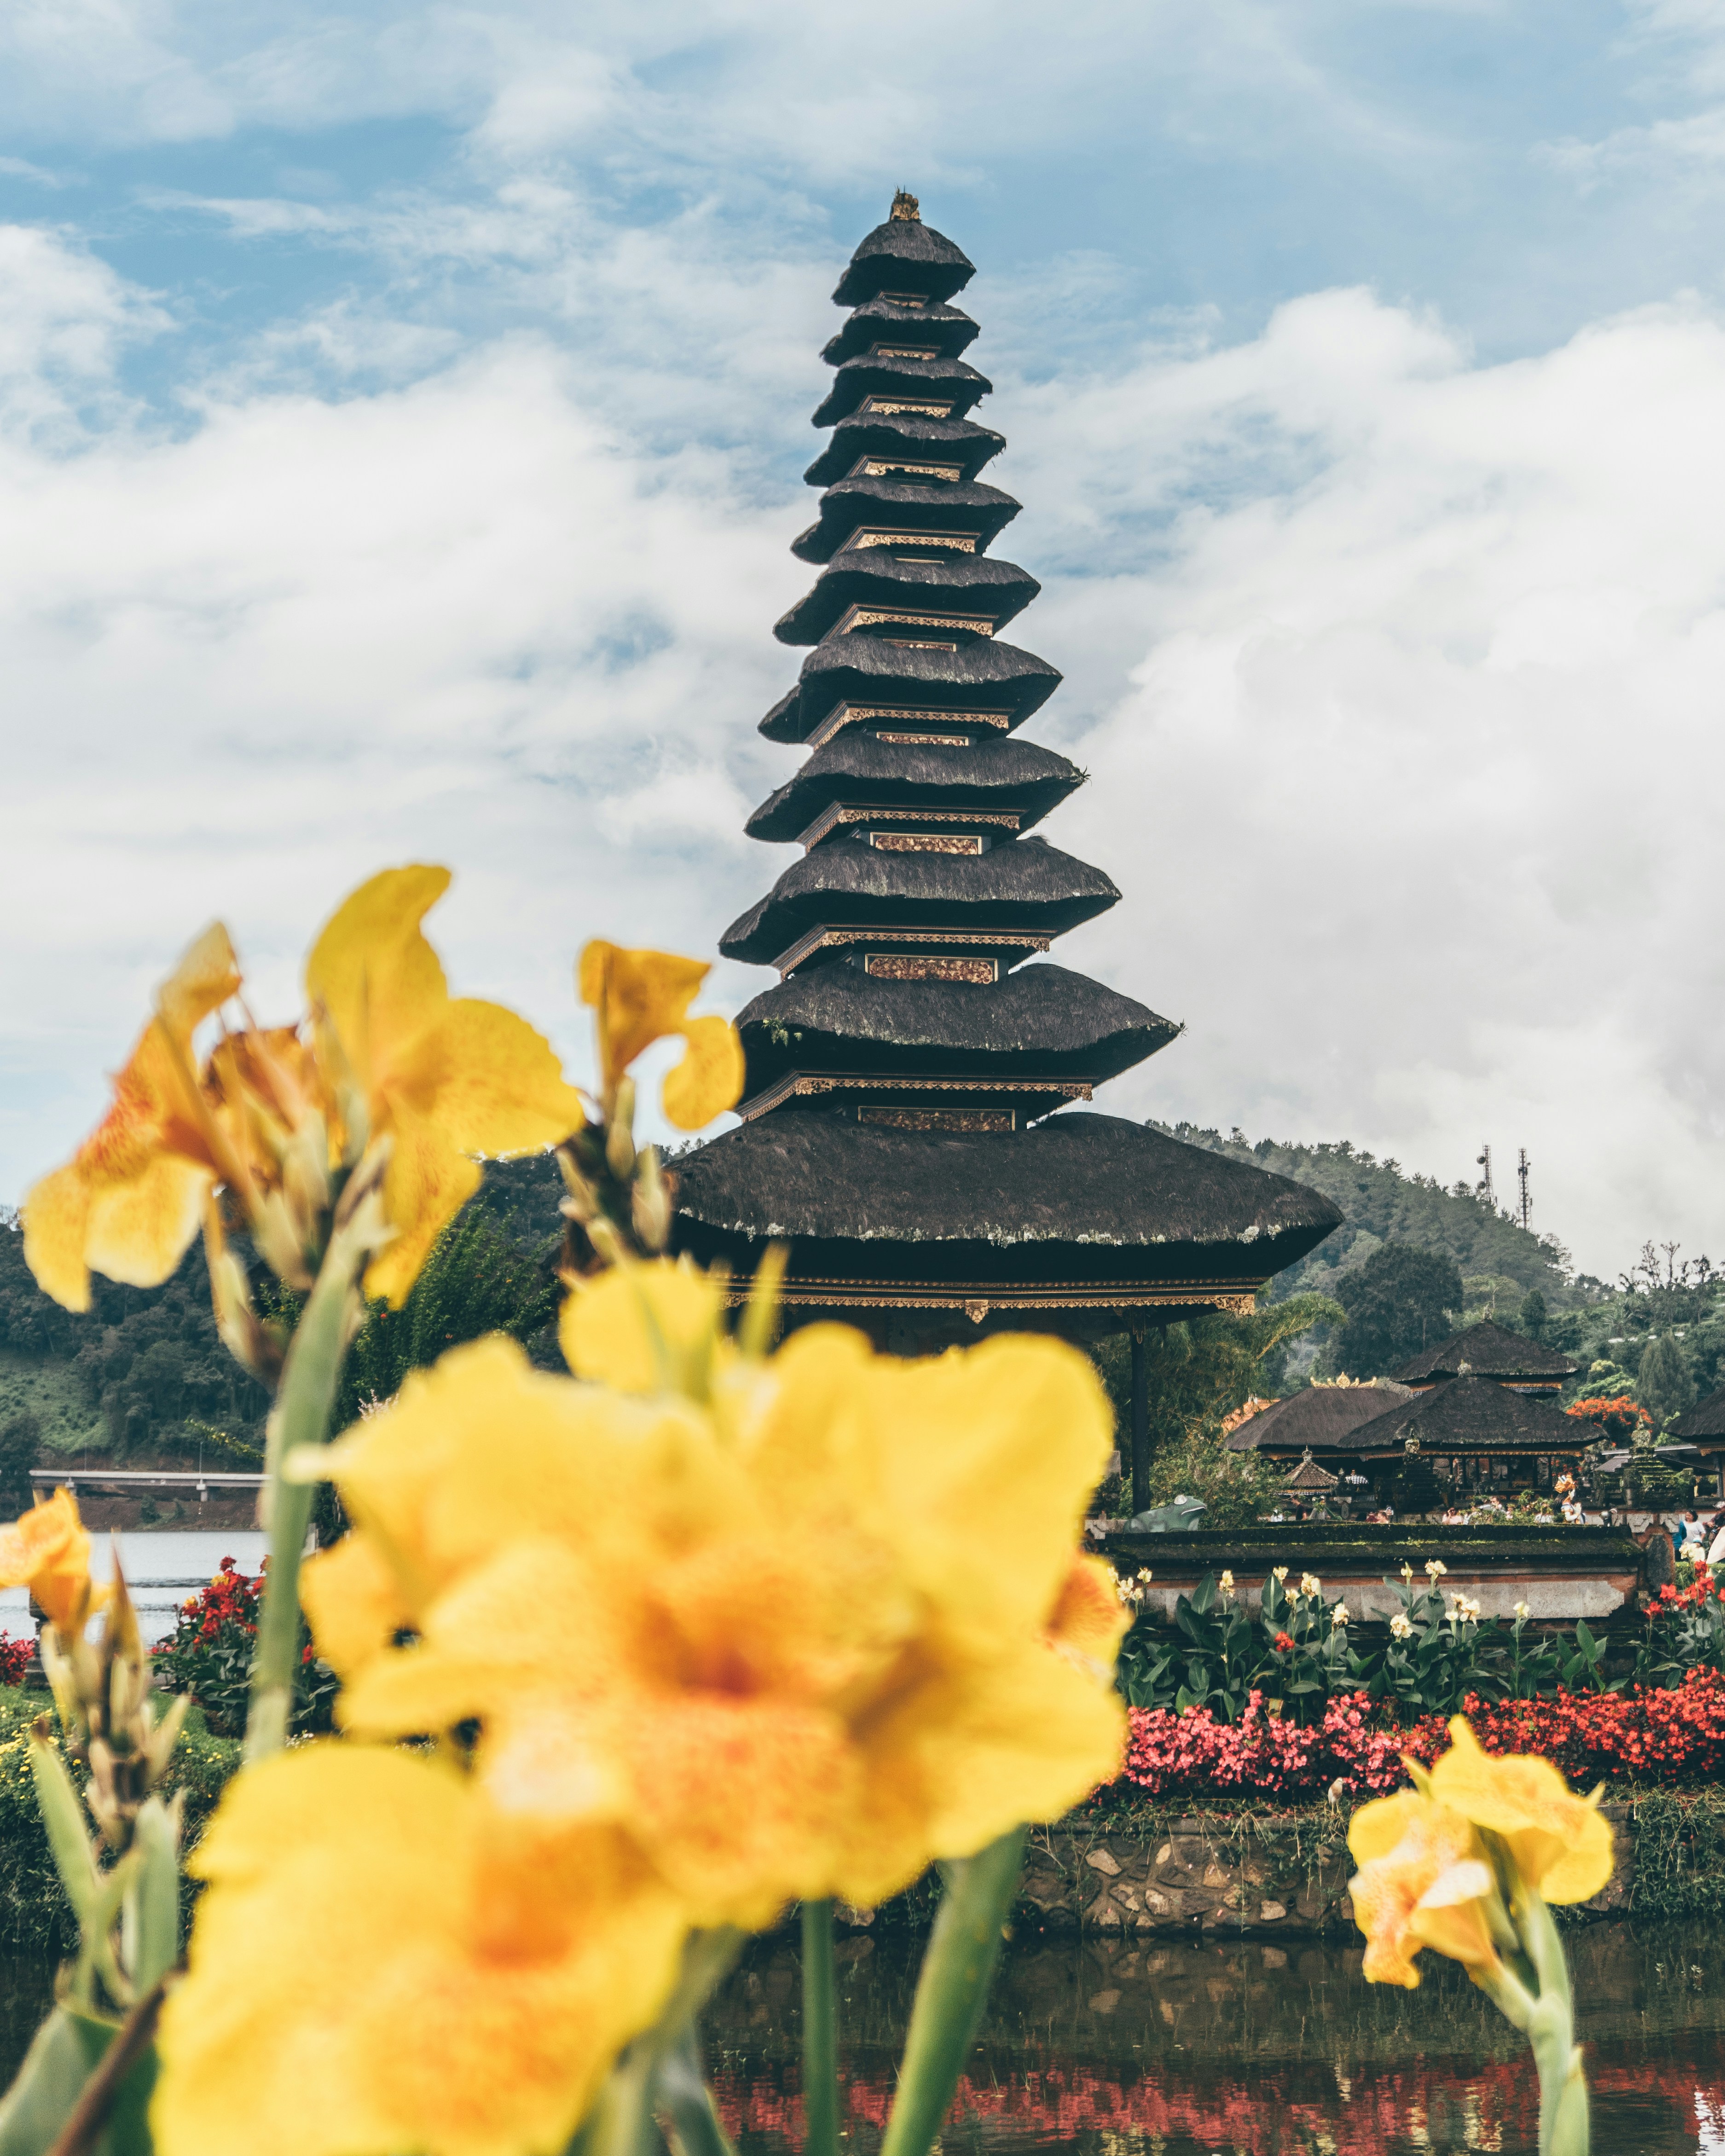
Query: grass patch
(52,1392)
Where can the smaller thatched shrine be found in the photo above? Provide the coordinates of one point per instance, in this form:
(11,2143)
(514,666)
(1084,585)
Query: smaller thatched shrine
(1486,1350)
(1309,1482)
(1477,1436)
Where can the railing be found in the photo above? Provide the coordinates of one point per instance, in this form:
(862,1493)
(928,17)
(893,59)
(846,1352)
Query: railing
(128,1478)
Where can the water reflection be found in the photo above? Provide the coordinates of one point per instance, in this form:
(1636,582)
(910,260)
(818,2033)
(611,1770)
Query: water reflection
(1255,2050)
(1213,2051)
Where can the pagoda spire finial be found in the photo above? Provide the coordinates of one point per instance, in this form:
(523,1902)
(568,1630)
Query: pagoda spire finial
(905,209)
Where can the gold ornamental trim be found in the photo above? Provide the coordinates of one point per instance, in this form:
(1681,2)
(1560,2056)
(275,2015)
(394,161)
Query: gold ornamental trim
(838,814)
(797,1085)
(871,534)
(930,939)
(855,715)
(887,408)
(879,617)
(978,1299)
(885,467)
(903,352)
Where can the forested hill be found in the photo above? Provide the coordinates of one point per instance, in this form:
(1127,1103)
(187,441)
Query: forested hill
(1380,1203)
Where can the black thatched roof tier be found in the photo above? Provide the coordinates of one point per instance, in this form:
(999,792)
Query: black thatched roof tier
(1316,1419)
(858,766)
(904,255)
(1703,1423)
(868,673)
(1471,1414)
(1040,1021)
(967,587)
(905,447)
(978,513)
(1080,1199)
(946,331)
(887,381)
(1488,1351)
(1024,884)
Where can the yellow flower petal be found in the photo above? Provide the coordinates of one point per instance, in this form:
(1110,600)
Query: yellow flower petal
(1376,1828)
(47,1550)
(709,1079)
(1392,1884)
(639,996)
(501,1091)
(378,980)
(379,1962)
(354,1603)
(444,1080)
(637,1326)
(1560,1841)
(1450,1916)
(129,1203)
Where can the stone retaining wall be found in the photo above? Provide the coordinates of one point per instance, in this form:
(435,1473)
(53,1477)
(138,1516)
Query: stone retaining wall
(1221,1874)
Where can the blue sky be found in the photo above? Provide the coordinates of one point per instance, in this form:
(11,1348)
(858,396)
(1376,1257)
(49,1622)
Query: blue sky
(401,416)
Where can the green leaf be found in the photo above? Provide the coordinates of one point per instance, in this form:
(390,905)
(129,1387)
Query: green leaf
(67,2049)
(68,1836)
(158,1894)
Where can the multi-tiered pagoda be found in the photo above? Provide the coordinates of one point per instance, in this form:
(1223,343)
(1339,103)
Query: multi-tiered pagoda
(911,1125)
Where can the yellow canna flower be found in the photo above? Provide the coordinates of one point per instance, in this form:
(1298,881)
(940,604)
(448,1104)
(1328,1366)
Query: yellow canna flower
(130,1200)
(641,996)
(273,1112)
(1425,1876)
(48,1551)
(1562,1844)
(1422,1882)
(383,1959)
(797,1642)
(444,1078)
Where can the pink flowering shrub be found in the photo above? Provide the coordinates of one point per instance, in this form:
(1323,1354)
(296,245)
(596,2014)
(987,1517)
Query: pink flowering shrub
(1673,1736)
(1262,1755)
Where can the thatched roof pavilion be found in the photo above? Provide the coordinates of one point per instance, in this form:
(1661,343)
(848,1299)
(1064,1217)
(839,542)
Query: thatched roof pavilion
(1317,1418)
(1486,1350)
(898,1127)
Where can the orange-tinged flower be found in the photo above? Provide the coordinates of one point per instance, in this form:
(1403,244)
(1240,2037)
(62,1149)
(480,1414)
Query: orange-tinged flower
(48,1551)
(1422,1882)
(128,1201)
(796,1642)
(443,1078)
(1561,1843)
(383,1960)
(643,996)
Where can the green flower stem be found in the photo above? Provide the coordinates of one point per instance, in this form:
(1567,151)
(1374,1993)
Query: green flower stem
(820,2033)
(301,1417)
(952,1991)
(1564,2124)
(1531,1989)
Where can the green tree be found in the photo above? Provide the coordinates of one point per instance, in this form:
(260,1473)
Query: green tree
(1664,1385)
(1533,1314)
(20,1442)
(477,1281)
(1402,1299)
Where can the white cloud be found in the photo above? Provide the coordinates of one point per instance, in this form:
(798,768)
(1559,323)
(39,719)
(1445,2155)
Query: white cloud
(1414,795)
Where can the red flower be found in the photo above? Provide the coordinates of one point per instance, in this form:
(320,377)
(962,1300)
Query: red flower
(1283,1643)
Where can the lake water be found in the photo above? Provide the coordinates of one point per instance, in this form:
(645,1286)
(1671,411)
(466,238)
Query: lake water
(1259,2049)
(162,1569)
(1213,2051)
